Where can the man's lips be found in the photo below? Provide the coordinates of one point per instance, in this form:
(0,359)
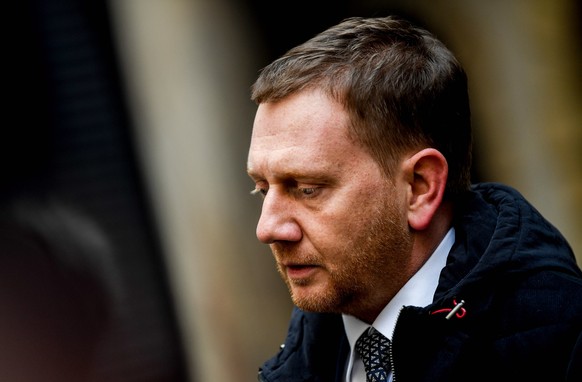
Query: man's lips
(300,271)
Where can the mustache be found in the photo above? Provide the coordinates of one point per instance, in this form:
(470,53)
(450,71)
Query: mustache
(289,256)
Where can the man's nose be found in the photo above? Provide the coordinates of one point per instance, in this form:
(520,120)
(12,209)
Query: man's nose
(277,221)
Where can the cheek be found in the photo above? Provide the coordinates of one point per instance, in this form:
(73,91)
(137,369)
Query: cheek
(334,230)
(348,215)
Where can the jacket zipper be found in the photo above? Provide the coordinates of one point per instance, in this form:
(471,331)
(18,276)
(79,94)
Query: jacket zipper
(390,356)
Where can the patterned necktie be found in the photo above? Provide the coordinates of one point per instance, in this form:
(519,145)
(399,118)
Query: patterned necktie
(374,349)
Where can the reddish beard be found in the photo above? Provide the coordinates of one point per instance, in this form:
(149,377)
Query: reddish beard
(361,275)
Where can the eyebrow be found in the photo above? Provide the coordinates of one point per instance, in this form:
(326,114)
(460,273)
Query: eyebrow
(307,176)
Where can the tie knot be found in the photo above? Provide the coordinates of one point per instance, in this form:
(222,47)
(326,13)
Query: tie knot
(374,349)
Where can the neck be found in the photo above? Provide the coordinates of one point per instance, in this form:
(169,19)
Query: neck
(426,241)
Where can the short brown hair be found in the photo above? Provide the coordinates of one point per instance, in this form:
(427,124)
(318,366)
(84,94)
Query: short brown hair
(402,87)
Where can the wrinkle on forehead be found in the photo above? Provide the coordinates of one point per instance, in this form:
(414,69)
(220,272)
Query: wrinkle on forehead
(297,158)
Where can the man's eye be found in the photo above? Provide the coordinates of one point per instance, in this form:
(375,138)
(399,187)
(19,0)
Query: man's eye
(259,191)
(308,190)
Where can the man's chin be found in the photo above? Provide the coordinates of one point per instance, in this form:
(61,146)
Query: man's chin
(313,299)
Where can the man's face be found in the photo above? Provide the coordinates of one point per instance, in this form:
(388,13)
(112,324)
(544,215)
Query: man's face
(337,227)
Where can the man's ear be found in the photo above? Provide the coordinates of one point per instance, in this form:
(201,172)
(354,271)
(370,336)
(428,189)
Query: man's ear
(426,173)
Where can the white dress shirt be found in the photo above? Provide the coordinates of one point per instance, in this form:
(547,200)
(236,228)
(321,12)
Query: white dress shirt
(418,291)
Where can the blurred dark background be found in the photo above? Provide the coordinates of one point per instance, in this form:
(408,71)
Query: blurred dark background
(135,115)
(68,140)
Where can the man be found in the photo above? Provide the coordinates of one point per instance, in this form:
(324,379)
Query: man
(361,147)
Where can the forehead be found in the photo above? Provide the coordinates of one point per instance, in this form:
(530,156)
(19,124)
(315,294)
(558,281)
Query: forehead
(308,114)
(305,130)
